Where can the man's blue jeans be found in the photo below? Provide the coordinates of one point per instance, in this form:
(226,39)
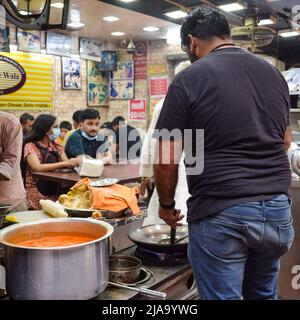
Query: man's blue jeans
(236,253)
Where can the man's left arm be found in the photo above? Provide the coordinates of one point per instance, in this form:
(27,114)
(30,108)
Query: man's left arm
(12,149)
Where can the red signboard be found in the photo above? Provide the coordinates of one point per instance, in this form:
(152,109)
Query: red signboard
(140,61)
(137,110)
(158,86)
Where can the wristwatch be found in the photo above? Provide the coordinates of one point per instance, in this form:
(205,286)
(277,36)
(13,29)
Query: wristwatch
(167,206)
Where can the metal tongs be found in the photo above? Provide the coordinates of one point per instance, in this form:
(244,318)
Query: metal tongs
(142,291)
(173,230)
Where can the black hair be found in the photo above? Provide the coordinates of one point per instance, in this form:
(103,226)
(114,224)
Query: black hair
(77,116)
(41,126)
(89,113)
(204,23)
(117,120)
(107,125)
(65,125)
(25,117)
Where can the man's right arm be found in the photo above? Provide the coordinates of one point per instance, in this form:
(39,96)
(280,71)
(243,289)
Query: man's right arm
(74,147)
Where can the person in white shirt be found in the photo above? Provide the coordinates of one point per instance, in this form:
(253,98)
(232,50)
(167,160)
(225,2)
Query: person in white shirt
(146,169)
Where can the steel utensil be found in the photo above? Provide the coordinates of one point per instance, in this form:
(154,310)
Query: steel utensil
(142,291)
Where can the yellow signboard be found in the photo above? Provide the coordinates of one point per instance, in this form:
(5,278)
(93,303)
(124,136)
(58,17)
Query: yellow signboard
(26,81)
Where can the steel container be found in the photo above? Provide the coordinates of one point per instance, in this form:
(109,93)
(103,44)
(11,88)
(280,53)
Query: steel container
(76,272)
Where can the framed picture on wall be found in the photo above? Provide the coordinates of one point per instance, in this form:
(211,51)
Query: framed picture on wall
(29,40)
(4,40)
(90,49)
(71,74)
(121,89)
(93,72)
(108,61)
(125,70)
(97,94)
(58,44)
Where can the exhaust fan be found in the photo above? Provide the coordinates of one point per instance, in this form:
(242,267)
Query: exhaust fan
(252,36)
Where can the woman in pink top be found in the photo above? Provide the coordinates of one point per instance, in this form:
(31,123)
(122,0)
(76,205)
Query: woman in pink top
(41,141)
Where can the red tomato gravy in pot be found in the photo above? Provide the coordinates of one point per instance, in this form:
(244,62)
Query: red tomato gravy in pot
(48,240)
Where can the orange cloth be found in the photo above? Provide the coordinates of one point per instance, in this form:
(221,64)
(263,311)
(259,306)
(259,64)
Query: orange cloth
(113,198)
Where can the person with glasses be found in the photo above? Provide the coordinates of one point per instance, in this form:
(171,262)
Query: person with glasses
(239,212)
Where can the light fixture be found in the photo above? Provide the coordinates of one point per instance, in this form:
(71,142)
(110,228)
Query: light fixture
(234,6)
(150,29)
(265,22)
(13,47)
(57,5)
(127,1)
(117,33)
(111,18)
(288,34)
(24,13)
(76,25)
(177,14)
(268,21)
(43,51)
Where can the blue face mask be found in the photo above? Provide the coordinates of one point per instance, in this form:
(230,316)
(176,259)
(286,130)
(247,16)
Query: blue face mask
(55,134)
(84,134)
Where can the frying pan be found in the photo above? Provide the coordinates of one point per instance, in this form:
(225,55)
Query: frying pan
(157,238)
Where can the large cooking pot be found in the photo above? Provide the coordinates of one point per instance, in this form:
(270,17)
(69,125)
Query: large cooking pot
(74,272)
(157,238)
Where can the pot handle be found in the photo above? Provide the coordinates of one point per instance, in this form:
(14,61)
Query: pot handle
(143,291)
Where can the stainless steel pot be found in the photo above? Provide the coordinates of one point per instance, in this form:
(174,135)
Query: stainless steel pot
(124,269)
(76,272)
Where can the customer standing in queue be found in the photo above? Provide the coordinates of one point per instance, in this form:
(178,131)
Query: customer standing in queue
(26,121)
(12,191)
(239,212)
(88,141)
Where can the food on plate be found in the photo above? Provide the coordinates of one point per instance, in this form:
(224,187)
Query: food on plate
(79,197)
(115,198)
(97,215)
(54,209)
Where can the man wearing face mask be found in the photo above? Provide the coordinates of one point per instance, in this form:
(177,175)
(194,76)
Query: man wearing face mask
(239,212)
(88,141)
(42,153)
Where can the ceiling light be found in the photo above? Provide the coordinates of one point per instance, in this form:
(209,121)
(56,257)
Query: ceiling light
(110,18)
(265,22)
(230,7)
(178,14)
(57,5)
(13,47)
(24,13)
(287,34)
(127,1)
(43,51)
(76,25)
(117,33)
(150,29)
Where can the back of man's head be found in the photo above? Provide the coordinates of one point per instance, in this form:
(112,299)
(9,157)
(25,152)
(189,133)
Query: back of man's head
(206,24)
(117,121)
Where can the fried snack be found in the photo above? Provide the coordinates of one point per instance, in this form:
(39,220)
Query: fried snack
(97,215)
(78,198)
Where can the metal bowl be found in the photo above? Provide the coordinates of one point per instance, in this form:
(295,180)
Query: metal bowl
(157,238)
(124,269)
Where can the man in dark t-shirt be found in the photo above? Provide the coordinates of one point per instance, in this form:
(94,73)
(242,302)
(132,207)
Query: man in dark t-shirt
(240,175)
(127,140)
